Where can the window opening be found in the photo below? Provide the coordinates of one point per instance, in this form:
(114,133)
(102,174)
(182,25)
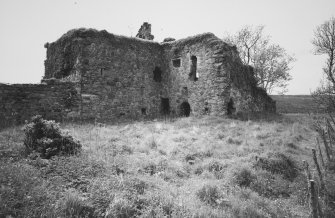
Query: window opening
(176,62)
(194,76)
(157,74)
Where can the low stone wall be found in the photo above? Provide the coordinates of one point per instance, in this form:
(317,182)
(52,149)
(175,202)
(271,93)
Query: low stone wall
(18,102)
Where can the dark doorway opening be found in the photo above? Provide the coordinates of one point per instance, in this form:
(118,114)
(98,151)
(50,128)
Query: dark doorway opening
(157,74)
(165,106)
(185,109)
(144,111)
(230,107)
(193,73)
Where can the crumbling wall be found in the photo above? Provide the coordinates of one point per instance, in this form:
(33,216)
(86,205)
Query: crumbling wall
(207,92)
(220,78)
(115,74)
(145,32)
(18,102)
(119,77)
(247,97)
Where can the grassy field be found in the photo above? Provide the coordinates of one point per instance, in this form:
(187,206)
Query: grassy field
(189,167)
(295,104)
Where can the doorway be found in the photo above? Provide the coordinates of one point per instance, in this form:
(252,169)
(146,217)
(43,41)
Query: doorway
(165,106)
(185,109)
(231,107)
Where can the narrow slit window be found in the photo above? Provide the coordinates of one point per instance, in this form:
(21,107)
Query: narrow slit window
(176,62)
(157,74)
(194,75)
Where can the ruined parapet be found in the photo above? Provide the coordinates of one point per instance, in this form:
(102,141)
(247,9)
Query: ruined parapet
(145,32)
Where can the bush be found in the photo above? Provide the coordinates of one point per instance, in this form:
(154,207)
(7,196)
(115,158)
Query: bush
(121,207)
(270,186)
(279,163)
(209,194)
(46,138)
(72,205)
(22,192)
(243,177)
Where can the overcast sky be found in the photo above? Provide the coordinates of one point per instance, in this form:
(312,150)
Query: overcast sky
(27,24)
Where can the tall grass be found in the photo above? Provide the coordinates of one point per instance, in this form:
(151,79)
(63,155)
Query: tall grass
(188,167)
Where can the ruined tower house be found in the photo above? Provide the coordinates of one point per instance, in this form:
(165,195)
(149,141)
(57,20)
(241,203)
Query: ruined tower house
(96,74)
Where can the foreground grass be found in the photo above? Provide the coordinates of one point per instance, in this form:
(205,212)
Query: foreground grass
(190,167)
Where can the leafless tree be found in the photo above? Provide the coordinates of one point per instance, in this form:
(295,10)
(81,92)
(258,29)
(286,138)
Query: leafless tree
(324,44)
(270,61)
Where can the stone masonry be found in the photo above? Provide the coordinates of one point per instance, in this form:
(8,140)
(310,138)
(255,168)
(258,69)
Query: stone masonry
(52,100)
(145,32)
(112,77)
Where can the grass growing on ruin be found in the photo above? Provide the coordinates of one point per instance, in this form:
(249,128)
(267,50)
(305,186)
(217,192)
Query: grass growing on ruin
(190,167)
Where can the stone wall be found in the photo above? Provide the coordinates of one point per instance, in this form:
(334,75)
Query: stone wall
(220,77)
(119,76)
(247,97)
(203,87)
(145,32)
(92,74)
(115,74)
(18,102)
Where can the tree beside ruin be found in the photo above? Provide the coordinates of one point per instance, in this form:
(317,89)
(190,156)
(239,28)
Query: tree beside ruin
(271,62)
(324,44)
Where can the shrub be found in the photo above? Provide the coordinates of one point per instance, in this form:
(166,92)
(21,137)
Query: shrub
(121,207)
(72,205)
(243,177)
(215,166)
(16,181)
(270,186)
(46,138)
(278,163)
(209,194)
(102,192)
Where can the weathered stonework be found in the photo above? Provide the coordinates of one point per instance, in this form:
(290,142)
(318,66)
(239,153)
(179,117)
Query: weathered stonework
(21,101)
(116,76)
(145,32)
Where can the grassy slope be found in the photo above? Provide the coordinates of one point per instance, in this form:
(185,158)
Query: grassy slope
(295,103)
(200,167)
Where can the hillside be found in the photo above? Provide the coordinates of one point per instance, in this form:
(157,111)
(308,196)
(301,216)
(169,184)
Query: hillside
(295,104)
(190,167)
